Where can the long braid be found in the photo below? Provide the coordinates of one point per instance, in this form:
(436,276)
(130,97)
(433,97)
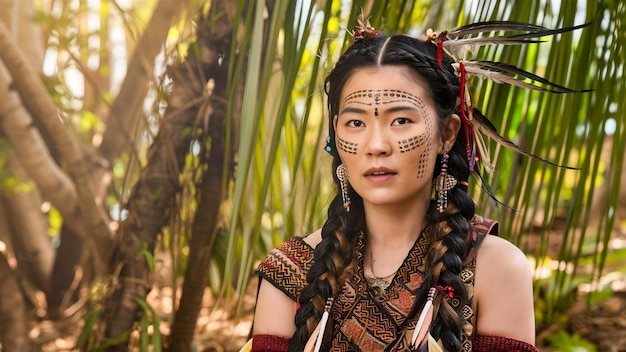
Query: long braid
(332,263)
(450,245)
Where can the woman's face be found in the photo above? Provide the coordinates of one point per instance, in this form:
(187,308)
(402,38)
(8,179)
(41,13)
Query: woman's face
(387,136)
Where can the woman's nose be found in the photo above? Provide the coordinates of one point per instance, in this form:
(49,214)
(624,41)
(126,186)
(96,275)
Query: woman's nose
(378,143)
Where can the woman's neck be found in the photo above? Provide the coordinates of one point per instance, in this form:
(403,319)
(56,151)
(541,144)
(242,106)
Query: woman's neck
(390,236)
(390,227)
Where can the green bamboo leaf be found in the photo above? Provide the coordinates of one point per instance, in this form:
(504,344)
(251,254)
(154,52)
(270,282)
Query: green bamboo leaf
(84,340)
(148,255)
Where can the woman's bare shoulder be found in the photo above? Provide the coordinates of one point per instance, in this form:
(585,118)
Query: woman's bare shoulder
(503,291)
(275,310)
(497,250)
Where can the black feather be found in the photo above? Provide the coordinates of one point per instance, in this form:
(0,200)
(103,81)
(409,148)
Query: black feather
(490,40)
(551,31)
(487,189)
(514,70)
(491,26)
(486,127)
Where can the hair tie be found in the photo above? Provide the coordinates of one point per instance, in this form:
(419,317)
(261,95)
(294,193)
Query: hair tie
(447,291)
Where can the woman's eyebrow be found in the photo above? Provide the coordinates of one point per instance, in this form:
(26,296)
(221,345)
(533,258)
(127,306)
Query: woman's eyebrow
(352,109)
(393,109)
(400,108)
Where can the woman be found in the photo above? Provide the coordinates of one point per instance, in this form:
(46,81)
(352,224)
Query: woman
(394,269)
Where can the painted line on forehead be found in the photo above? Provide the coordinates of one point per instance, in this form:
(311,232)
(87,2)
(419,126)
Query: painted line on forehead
(371,97)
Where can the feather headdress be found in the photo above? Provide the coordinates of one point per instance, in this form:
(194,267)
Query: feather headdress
(455,42)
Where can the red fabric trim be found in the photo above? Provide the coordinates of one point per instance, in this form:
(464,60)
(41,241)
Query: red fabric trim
(486,343)
(480,343)
(270,343)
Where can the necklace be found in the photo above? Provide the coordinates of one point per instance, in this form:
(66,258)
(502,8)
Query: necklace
(378,282)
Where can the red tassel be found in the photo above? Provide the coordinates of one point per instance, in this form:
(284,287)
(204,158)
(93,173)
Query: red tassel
(439,52)
(468,126)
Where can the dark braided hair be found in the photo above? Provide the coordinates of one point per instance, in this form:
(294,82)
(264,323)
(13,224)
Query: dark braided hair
(447,231)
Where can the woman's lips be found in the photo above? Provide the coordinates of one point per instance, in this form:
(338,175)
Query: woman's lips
(379,174)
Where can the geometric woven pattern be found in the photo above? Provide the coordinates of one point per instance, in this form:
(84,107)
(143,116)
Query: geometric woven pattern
(286,266)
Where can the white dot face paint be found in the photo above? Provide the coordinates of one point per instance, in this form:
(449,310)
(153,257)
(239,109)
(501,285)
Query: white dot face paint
(386,128)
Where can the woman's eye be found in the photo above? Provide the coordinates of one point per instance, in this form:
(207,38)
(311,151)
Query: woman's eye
(355,123)
(401,121)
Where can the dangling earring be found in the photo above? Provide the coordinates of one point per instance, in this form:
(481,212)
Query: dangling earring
(343,182)
(445,182)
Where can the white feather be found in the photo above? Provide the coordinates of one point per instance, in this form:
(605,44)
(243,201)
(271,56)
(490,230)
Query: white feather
(320,335)
(420,321)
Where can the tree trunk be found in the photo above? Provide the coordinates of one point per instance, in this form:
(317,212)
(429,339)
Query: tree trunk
(14,315)
(211,193)
(30,150)
(26,224)
(34,95)
(18,16)
(211,39)
(29,234)
(150,202)
(126,119)
(202,239)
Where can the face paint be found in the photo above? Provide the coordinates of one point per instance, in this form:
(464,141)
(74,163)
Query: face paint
(377,97)
(346,146)
(406,145)
(426,137)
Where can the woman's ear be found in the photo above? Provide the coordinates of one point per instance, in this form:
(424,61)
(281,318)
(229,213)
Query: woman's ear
(449,131)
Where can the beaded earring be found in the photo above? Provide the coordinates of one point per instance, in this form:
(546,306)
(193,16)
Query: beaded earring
(445,182)
(343,181)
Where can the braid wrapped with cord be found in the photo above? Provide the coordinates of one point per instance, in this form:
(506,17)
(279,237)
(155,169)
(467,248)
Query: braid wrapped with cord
(447,231)
(332,263)
(450,245)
